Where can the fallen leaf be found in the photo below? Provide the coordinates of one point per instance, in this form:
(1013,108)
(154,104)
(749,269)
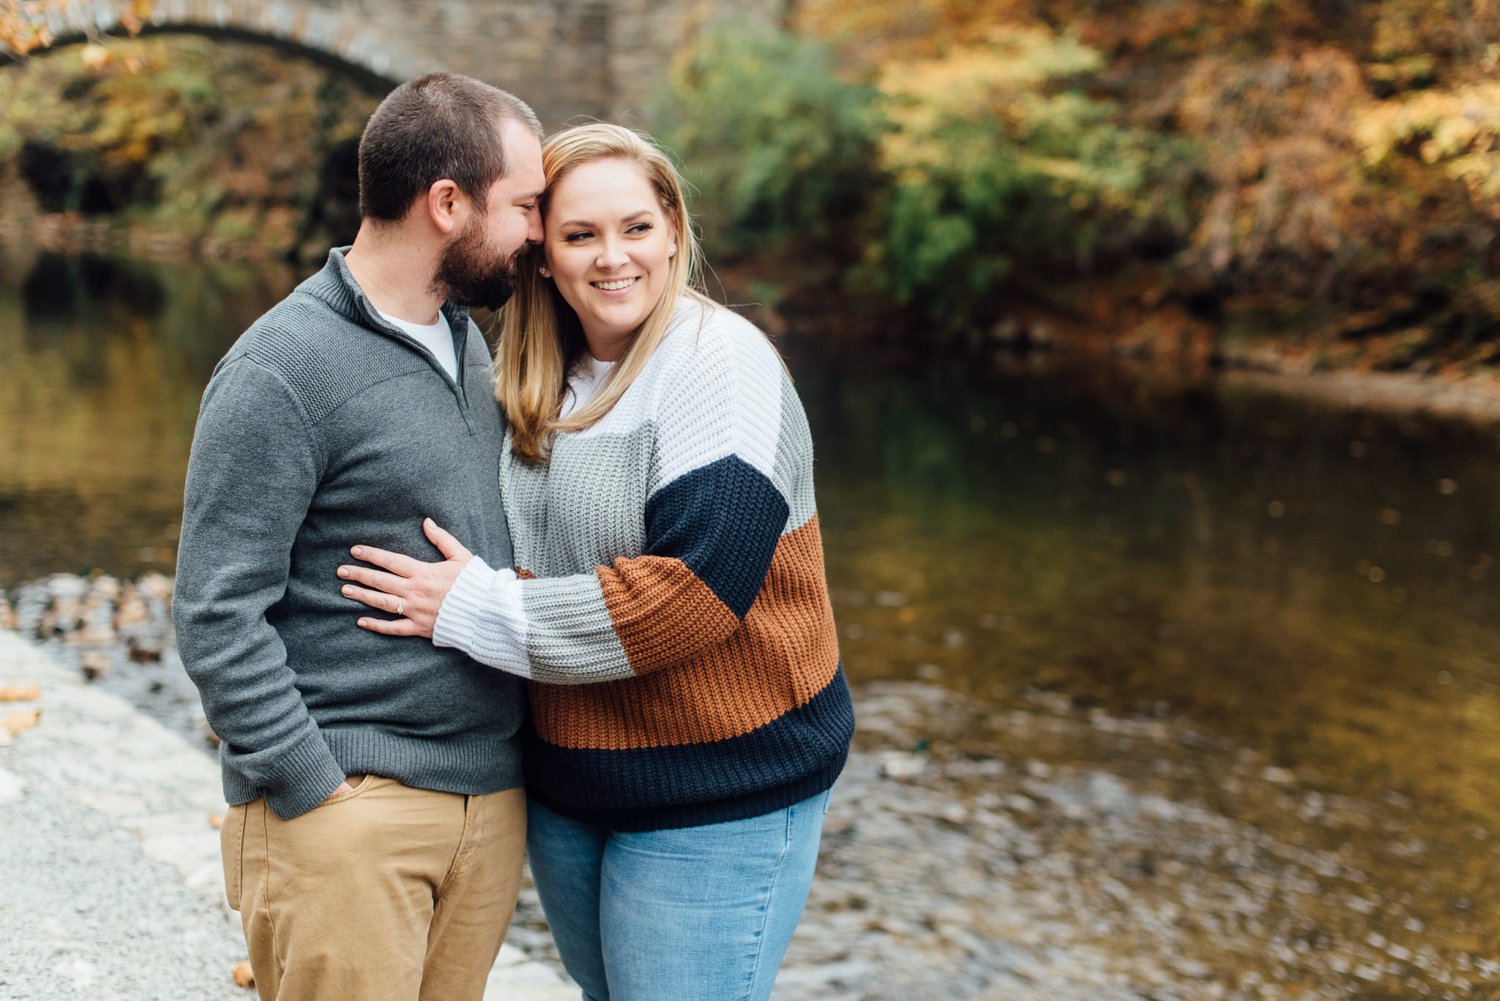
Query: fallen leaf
(20,693)
(243,976)
(17,722)
(216,820)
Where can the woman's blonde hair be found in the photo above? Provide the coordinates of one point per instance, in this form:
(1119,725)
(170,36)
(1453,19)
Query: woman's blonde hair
(540,335)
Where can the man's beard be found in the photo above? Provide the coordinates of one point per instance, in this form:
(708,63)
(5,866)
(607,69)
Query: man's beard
(472,274)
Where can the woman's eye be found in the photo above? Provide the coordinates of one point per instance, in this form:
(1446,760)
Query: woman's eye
(640,229)
(578,237)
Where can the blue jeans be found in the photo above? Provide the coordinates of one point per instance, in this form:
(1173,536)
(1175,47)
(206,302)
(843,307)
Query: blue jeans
(685,914)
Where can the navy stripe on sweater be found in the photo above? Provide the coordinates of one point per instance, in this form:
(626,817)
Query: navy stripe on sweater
(723,521)
(592,783)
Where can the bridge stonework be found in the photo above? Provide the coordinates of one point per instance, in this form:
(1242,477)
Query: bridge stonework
(567,58)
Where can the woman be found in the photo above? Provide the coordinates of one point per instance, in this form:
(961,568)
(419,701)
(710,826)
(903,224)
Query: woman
(688,709)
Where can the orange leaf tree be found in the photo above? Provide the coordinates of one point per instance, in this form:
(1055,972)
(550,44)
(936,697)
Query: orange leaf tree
(24,23)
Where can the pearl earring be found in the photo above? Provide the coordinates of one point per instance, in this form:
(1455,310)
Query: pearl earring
(672,250)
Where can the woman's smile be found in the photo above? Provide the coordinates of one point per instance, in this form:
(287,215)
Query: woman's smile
(614,284)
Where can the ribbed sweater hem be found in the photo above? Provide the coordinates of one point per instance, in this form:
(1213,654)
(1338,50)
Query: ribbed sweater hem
(658,818)
(470,766)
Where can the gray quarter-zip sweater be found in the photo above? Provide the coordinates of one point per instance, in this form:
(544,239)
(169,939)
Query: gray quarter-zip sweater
(326,426)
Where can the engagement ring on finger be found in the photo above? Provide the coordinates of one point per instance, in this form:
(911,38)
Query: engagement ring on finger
(400,607)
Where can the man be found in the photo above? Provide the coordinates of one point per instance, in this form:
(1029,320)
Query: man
(373,845)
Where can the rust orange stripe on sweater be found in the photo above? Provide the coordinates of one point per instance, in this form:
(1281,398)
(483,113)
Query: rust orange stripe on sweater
(784,653)
(658,607)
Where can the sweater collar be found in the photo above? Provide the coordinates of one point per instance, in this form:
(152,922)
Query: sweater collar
(335,285)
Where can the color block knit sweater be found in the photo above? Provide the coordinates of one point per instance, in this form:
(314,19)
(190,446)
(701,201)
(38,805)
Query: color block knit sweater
(670,609)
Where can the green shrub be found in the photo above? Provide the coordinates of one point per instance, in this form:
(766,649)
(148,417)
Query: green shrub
(779,149)
(1003,173)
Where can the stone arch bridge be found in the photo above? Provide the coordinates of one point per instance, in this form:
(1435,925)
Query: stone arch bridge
(567,58)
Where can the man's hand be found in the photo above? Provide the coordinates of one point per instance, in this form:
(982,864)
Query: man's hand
(343,788)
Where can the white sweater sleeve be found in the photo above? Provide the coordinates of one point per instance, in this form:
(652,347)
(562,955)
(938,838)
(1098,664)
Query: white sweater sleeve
(482,616)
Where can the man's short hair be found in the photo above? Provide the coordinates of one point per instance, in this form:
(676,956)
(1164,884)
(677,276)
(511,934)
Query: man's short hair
(437,126)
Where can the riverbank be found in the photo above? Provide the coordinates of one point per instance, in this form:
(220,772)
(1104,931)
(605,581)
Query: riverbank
(1470,397)
(1037,851)
(1161,345)
(109,853)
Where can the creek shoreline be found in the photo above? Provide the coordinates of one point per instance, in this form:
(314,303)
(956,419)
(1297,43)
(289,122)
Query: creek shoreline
(1162,345)
(110,822)
(1473,397)
(1039,850)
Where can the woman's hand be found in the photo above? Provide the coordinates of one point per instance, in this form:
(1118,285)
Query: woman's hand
(403,586)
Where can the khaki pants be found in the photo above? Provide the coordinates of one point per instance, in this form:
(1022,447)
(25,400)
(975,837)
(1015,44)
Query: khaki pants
(385,893)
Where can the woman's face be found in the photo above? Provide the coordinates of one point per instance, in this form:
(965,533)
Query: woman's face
(608,243)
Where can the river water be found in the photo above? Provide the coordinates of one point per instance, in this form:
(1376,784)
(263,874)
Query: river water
(1169,687)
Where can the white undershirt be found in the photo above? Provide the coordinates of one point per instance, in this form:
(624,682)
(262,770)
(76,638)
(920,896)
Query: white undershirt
(435,337)
(584,383)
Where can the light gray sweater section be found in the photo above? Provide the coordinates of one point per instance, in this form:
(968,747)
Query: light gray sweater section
(326,426)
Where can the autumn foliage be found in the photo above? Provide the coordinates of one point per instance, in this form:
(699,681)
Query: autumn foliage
(24,29)
(1330,166)
(223,149)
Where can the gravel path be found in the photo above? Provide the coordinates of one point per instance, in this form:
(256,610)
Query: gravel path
(109,864)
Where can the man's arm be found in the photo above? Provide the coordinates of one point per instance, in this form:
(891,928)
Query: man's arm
(251,478)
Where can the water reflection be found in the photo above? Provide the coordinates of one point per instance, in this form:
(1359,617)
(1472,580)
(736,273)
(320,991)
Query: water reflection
(1310,585)
(1041,494)
(104,364)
